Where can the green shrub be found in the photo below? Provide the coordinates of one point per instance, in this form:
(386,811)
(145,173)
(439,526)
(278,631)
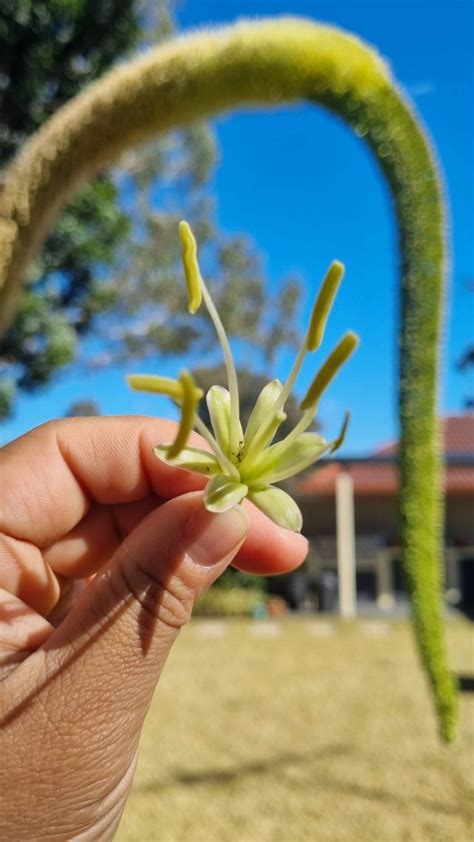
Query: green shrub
(229,602)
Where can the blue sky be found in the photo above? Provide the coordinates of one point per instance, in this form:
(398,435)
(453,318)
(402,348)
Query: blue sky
(308,191)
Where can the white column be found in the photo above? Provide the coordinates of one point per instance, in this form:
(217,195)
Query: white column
(453,576)
(385,598)
(346,545)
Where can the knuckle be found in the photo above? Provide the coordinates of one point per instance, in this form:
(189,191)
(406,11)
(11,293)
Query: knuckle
(165,600)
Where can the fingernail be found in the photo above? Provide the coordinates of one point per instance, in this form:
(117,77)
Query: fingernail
(210,538)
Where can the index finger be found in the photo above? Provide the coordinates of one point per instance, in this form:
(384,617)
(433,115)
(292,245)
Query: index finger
(52,475)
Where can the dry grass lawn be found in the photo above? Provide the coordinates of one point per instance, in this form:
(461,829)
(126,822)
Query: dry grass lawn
(301,737)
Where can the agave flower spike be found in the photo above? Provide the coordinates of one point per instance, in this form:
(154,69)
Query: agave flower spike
(245,463)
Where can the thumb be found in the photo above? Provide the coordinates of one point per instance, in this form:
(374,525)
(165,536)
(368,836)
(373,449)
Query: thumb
(86,692)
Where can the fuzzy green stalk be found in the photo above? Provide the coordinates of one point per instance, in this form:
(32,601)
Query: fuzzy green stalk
(269,62)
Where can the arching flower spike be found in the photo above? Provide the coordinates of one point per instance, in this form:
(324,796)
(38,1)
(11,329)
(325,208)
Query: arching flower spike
(245,463)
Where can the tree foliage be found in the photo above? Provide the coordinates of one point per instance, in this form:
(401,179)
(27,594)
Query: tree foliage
(83,409)
(111,267)
(150,315)
(49,50)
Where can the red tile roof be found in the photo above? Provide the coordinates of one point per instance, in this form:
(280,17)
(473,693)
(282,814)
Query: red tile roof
(458,436)
(372,478)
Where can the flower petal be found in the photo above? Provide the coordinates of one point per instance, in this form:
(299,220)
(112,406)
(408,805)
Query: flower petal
(222,493)
(218,404)
(278,506)
(262,410)
(284,459)
(191,458)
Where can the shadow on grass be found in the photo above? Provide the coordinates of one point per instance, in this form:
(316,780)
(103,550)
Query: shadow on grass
(321,780)
(270,765)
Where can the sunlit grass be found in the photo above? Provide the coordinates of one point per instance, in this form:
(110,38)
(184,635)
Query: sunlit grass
(301,736)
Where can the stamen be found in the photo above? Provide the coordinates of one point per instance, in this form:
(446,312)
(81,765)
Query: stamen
(191,266)
(188,409)
(302,425)
(290,380)
(329,369)
(313,339)
(193,277)
(323,304)
(230,369)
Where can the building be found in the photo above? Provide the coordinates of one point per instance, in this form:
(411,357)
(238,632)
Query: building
(350,514)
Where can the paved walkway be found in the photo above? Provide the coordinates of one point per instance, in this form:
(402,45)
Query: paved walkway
(217,628)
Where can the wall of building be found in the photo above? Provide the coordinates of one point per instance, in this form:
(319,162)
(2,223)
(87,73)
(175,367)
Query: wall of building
(460,520)
(378,515)
(379,574)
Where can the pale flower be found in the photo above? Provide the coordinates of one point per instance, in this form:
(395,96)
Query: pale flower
(245,463)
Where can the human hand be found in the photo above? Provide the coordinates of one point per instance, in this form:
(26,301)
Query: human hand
(81,497)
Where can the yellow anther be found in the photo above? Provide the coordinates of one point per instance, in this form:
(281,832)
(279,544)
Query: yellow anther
(161,386)
(191,266)
(323,304)
(329,369)
(189,403)
(154,383)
